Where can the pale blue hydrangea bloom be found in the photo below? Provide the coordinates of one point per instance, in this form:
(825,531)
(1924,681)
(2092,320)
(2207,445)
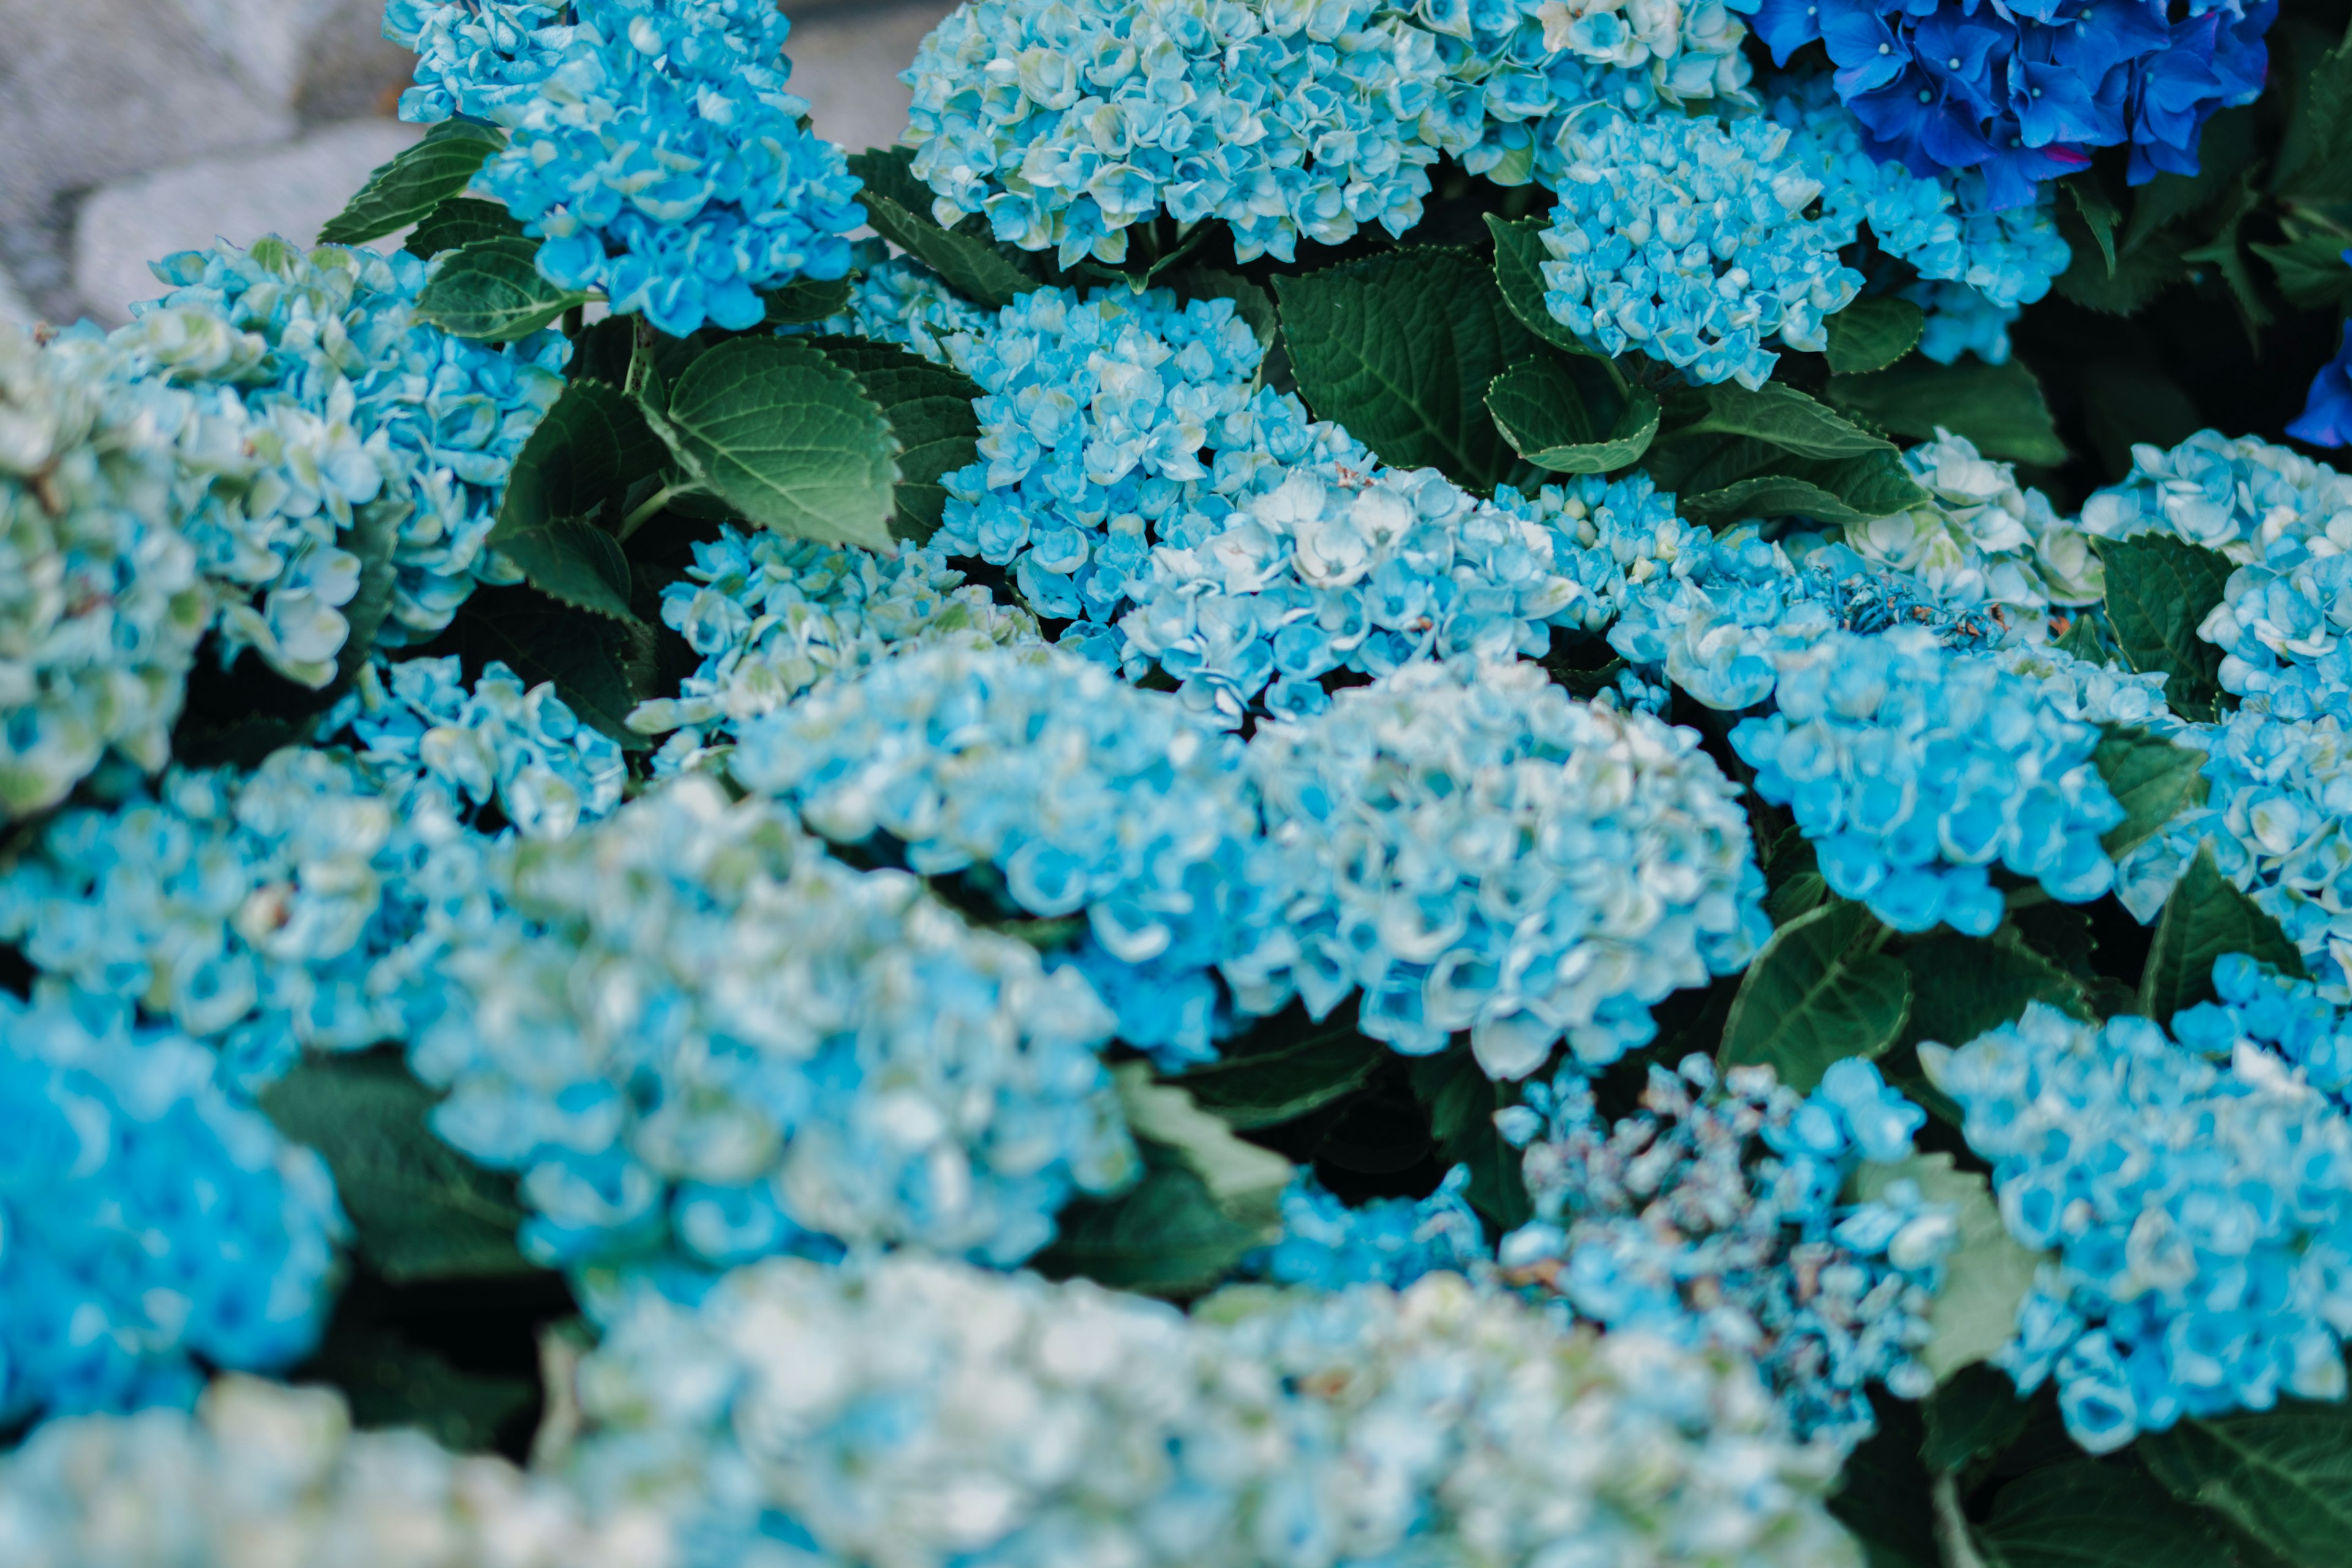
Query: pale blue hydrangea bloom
(1472,850)
(1052,789)
(1942,224)
(771,617)
(2260,1009)
(2276,812)
(1003,1422)
(1979,539)
(1326,1245)
(151,1222)
(697,1035)
(898,299)
(2198,1219)
(476,57)
(663,160)
(262,1473)
(101,600)
(2241,496)
(1686,240)
(1961,321)
(1916,770)
(362,419)
(1718,1217)
(523,747)
(2089,693)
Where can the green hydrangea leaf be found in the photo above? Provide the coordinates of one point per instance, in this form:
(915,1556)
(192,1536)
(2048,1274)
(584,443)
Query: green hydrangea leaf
(1962,986)
(490,289)
(588,658)
(2309,267)
(1871,334)
(1519,256)
(1281,1083)
(2132,283)
(929,407)
(1836,491)
(1820,990)
(1165,1236)
(1243,1180)
(1782,416)
(440,166)
(805,300)
(1985,1276)
(2086,1514)
(2000,407)
(1462,1101)
(2097,212)
(1399,348)
(787,438)
(592,446)
(1976,1412)
(420,1209)
(2205,918)
(2315,158)
(1561,415)
(1883,1495)
(2153,779)
(2282,1476)
(2159,591)
(460,221)
(391,1383)
(899,206)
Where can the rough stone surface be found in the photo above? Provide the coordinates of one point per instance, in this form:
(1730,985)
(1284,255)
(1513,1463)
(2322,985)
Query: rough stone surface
(291,191)
(846,59)
(15,310)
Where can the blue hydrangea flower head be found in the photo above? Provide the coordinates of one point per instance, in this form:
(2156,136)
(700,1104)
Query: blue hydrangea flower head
(2214,1277)
(771,617)
(1266,1429)
(1326,1245)
(1717,1216)
(2326,417)
(1068,793)
(354,412)
(1916,770)
(2239,496)
(1981,539)
(2257,1008)
(476,57)
(1472,850)
(261,1471)
(151,1222)
(694,1034)
(663,162)
(1687,238)
(104,601)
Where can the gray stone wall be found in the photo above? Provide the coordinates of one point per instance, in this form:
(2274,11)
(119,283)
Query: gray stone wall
(131,129)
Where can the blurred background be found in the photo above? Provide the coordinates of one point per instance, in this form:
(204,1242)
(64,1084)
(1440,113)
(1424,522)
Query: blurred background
(131,129)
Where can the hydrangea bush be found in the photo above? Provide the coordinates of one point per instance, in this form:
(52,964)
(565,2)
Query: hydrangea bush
(1429,782)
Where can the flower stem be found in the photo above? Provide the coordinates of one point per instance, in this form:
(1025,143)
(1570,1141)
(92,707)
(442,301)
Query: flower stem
(646,511)
(1952,1541)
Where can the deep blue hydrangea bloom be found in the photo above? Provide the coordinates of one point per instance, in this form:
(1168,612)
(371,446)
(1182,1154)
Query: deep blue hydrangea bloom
(1473,850)
(2020,95)
(149,1221)
(694,1034)
(2326,417)
(1718,1215)
(1688,239)
(1327,1245)
(1915,770)
(2198,1215)
(353,410)
(662,159)
(2258,1008)
(1067,792)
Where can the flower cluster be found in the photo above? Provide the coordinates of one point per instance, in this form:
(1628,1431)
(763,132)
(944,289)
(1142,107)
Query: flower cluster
(366,432)
(1915,770)
(1686,240)
(1060,790)
(2198,1219)
(694,1028)
(663,160)
(1474,850)
(101,600)
(263,1474)
(771,617)
(1960,321)
(1980,539)
(1326,1245)
(477,57)
(908,1410)
(1715,1216)
(2290,1019)
(2326,417)
(2243,496)
(2021,99)
(149,1221)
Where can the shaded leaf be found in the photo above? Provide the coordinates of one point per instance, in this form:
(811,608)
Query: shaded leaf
(1399,348)
(1265,1089)
(2316,162)
(591,448)
(460,221)
(1976,1412)
(2310,268)
(2282,1476)
(490,289)
(2132,283)
(1882,1494)
(899,206)
(1782,416)
(2224,149)
(1820,990)
(438,166)
(1839,491)
(2159,591)
(2087,1514)
(786,437)
(2205,918)
(541,639)
(1985,1276)
(1998,407)
(2097,212)
(420,1209)
(391,1383)
(806,299)
(1565,417)
(929,408)
(1243,1180)
(1962,986)
(1519,256)
(1167,1237)
(1462,1101)
(1871,334)
(576,561)
(2151,778)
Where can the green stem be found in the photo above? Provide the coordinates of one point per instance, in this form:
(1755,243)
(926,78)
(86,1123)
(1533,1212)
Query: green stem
(2025,897)
(647,509)
(1952,1540)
